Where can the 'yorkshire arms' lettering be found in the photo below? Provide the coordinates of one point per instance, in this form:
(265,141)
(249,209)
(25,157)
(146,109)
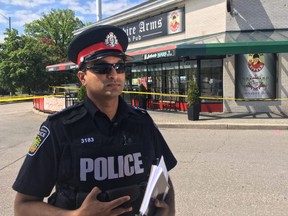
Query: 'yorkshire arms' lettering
(111,167)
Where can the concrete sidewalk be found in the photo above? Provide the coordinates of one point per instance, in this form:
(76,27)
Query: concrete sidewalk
(269,121)
(173,119)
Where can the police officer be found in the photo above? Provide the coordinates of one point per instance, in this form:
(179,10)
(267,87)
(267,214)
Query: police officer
(96,155)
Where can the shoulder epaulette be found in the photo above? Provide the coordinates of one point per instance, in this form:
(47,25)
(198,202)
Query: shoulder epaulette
(70,114)
(139,109)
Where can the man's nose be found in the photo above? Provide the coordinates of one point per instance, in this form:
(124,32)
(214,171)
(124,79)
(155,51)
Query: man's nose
(113,73)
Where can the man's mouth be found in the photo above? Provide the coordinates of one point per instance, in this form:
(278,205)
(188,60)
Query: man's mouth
(113,84)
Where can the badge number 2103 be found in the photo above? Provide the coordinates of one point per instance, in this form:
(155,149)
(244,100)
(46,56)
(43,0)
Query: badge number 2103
(87,140)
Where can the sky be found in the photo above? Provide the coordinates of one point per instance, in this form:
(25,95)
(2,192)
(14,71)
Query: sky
(25,11)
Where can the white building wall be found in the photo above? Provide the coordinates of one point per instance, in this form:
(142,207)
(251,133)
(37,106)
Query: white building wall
(228,83)
(282,83)
(205,17)
(258,14)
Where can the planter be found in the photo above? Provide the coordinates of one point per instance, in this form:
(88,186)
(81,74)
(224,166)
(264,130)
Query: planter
(193,112)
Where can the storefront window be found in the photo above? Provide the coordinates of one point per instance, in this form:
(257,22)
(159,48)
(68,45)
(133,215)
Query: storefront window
(155,80)
(170,76)
(128,80)
(211,79)
(187,72)
(138,77)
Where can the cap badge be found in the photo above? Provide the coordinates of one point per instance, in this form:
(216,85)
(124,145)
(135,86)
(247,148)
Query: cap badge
(111,40)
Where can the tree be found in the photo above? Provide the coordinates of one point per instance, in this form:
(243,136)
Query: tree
(55,28)
(23,58)
(7,65)
(23,63)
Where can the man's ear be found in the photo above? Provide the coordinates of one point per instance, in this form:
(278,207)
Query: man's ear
(82,77)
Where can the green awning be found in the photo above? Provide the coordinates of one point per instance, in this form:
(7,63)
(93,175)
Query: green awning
(226,43)
(236,43)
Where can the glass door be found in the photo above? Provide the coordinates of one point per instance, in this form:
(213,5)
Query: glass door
(211,77)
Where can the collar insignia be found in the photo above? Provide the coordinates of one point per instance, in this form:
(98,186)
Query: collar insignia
(111,40)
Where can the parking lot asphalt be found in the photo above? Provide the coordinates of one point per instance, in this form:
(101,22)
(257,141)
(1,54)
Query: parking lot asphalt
(12,157)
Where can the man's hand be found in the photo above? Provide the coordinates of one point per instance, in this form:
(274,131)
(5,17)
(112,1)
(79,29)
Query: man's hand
(93,207)
(167,207)
(162,208)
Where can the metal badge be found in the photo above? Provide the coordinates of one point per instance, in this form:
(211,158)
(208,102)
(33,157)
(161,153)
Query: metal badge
(111,40)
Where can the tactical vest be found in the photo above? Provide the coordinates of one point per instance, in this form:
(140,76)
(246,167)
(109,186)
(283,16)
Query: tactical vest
(91,158)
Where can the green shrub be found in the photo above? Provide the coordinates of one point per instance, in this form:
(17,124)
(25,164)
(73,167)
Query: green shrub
(193,96)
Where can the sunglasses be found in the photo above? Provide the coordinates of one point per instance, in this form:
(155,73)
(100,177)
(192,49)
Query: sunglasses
(106,68)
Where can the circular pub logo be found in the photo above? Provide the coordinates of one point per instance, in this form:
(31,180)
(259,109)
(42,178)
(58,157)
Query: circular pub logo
(174,21)
(256,62)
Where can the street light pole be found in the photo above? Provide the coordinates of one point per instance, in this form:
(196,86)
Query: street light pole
(9,20)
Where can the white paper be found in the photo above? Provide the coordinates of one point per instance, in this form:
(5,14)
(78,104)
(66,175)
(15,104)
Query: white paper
(157,185)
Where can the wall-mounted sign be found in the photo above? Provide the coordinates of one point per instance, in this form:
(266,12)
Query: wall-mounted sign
(175,21)
(156,55)
(256,75)
(164,24)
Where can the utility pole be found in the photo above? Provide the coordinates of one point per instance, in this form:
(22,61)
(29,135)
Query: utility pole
(98,10)
(9,20)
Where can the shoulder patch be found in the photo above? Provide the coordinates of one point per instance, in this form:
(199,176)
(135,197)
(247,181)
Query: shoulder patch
(42,135)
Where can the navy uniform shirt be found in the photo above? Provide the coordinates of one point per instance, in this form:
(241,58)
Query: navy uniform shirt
(82,146)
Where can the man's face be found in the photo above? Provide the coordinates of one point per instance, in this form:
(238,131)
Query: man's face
(255,59)
(103,86)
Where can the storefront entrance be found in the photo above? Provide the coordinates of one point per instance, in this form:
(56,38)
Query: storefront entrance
(166,83)
(211,76)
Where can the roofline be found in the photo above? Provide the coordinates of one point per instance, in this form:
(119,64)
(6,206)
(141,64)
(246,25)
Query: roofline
(131,13)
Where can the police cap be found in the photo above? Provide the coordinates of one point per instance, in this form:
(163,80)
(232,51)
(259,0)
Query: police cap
(98,42)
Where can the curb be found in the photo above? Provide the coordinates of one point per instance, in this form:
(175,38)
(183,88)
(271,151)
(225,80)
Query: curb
(225,126)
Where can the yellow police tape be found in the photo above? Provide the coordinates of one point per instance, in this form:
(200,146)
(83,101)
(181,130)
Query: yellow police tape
(205,97)
(64,87)
(19,98)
